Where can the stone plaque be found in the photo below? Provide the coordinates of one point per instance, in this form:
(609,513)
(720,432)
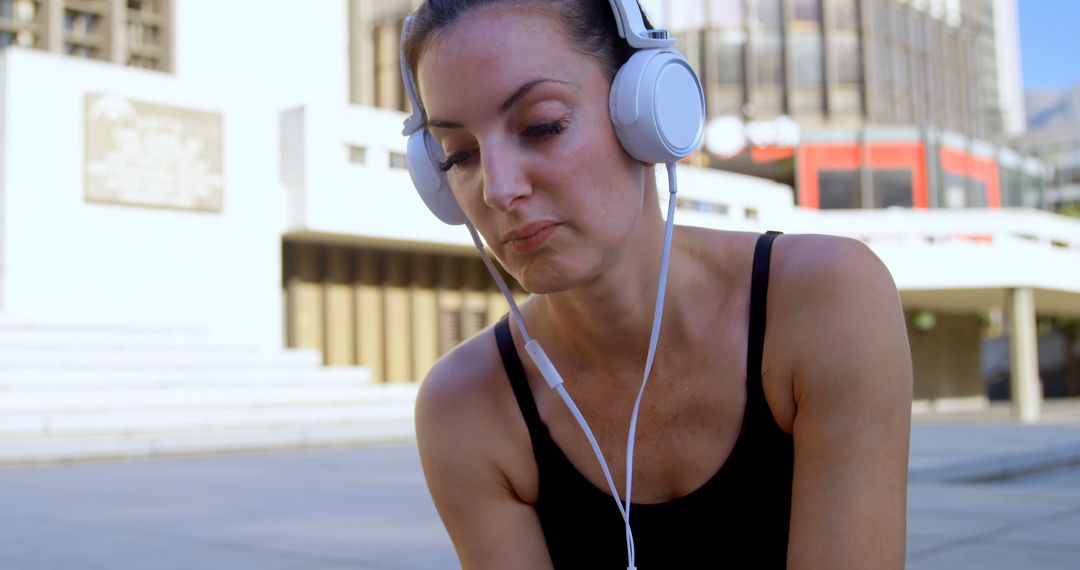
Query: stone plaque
(151,155)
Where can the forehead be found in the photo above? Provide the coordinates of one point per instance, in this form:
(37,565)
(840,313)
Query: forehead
(491,51)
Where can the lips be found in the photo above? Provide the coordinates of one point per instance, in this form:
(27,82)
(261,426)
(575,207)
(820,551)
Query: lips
(530,237)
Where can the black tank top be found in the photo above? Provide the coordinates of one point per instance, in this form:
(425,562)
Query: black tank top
(737,519)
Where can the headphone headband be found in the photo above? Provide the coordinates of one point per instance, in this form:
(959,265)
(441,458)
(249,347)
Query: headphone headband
(628,19)
(632,27)
(656,104)
(416,120)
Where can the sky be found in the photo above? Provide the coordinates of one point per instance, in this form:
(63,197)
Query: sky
(1049,43)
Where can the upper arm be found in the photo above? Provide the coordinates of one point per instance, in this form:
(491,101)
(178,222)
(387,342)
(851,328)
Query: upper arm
(462,450)
(852,384)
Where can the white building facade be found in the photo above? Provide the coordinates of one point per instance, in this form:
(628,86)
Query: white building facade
(243,192)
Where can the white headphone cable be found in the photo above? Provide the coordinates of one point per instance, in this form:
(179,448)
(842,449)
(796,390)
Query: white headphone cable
(555,381)
(658,315)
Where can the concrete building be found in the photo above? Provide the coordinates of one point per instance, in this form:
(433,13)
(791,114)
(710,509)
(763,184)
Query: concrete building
(257,187)
(891,102)
(135,33)
(1010,88)
(1054,136)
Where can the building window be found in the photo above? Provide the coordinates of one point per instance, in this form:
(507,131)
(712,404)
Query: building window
(18,23)
(389,89)
(88,29)
(1011,187)
(770,59)
(80,23)
(770,13)
(892,187)
(728,46)
(808,57)
(838,189)
(83,36)
(955,191)
(845,49)
(844,13)
(397,160)
(18,12)
(357,154)
(146,36)
(701,206)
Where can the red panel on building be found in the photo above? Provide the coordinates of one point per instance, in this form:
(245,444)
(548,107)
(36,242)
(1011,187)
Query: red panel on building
(813,158)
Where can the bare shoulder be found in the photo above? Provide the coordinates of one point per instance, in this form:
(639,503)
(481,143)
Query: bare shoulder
(836,297)
(475,452)
(469,426)
(827,261)
(462,378)
(834,289)
(465,400)
(851,382)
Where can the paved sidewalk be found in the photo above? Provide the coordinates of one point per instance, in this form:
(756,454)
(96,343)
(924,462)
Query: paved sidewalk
(988,445)
(987,493)
(368,508)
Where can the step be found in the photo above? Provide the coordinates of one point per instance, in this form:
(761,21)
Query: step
(36,340)
(48,402)
(148,446)
(89,359)
(37,426)
(47,325)
(109,379)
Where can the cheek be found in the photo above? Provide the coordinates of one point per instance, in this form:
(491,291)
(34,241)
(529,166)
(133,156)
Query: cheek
(467,191)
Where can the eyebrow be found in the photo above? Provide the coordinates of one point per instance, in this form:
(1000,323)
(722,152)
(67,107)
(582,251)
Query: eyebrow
(503,108)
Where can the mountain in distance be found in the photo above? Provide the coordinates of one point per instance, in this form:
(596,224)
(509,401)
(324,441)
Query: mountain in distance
(1050,109)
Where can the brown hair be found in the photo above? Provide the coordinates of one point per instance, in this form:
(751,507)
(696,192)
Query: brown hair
(589,25)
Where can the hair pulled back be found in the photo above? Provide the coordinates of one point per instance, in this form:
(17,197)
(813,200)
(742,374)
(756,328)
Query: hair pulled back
(588,25)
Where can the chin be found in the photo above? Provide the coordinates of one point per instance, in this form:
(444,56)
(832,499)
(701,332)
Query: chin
(540,278)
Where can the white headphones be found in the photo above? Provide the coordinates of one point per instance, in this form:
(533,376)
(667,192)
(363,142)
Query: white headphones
(657,108)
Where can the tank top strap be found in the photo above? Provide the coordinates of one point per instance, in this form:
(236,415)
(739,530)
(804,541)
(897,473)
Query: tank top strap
(759,287)
(518,382)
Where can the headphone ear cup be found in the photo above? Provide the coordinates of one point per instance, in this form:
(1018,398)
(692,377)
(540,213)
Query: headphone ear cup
(657,106)
(423,157)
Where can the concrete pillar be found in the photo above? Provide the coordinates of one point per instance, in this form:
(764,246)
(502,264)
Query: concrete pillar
(368,305)
(116,35)
(54,26)
(339,316)
(425,315)
(1024,382)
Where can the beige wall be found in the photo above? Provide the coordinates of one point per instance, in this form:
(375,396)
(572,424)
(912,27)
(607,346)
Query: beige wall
(395,312)
(946,358)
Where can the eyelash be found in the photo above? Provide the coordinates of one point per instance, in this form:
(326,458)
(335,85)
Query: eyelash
(535,131)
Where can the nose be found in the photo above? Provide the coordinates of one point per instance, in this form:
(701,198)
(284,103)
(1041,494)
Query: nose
(504,178)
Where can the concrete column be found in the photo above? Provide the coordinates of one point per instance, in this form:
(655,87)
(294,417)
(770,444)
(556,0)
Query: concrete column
(425,315)
(368,305)
(339,318)
(397,321)
(1024,382)
(116,32)
(54,26)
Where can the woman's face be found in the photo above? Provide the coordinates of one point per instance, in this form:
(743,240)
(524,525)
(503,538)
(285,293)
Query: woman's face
(532,157)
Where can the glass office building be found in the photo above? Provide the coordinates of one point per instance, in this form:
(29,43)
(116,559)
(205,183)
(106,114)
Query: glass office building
(895,102)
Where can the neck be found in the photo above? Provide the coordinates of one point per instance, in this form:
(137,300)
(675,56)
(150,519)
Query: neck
(604,325)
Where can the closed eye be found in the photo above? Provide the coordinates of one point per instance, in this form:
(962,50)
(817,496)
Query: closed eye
(555,128)
(456,158)
(533,132)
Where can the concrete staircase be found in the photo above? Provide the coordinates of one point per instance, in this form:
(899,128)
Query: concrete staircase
(86,392)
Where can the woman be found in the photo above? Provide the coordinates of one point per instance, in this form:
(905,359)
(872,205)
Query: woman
(765,438)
